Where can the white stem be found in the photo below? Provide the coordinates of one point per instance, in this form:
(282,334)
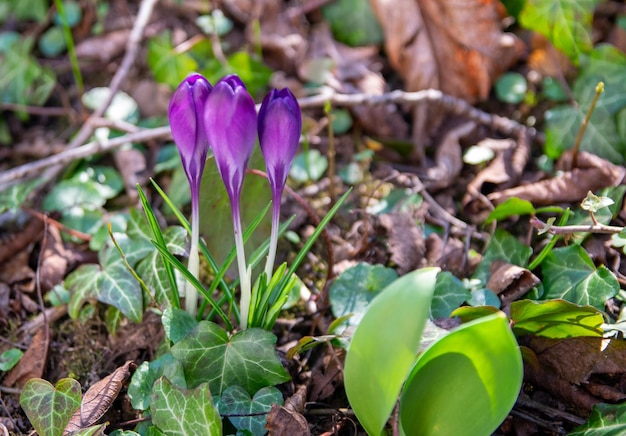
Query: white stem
(271,255)
(244,276)
(191,294)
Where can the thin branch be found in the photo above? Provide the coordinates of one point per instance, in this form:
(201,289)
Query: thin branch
(568,230)
(32,169)
(452,104)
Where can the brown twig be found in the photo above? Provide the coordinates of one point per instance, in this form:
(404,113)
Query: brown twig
(568,230)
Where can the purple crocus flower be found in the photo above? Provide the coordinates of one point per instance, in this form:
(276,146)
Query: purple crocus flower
(280,125)
(185,113)
(230,122)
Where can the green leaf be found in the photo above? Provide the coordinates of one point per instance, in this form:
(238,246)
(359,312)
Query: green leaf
(52,42)
(570,274)
(308,165)
(110,282)
(606,64)
(167,65)
(177,323)
(605,420)
(555,319)
(49,408)
(123,107)
(140,387)
(26,10)
(511,88)
(484,297)
(74,192)
(13,197)
(465,383)
(512,207)
(22,79)
(184,412)
(247,358)
(236,401)
(353,22)
(384,347)
(356,287)
(566,23)
(9,358)
(593,203)
(502,246)
(601,136)
(449,294)
(214,203)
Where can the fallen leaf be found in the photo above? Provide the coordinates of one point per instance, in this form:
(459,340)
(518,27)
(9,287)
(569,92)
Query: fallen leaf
(405,241)
(54,260)
(458,48)
(567,365)
(448,158)
(281,421)
(32,363)
(326,376)
(510,281)
(99,398)
(592,173)
(104,48)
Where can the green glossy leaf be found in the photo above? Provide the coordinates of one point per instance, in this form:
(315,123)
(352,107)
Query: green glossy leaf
(469,313)
(184,412)
(110,282)
(512,207)
(49,408)
(247,358)
(511,88)
(235,400)
(570,274)
(146,374)
(465,383)
(177,323)
(555,319)
(449,294)
(9,358)
(167,65)
(605,63)
(502,246)
(73,14)
(605,420)
(385,345)
(75,192)
(353,22)
(356,287)
(484,297)
(566,23)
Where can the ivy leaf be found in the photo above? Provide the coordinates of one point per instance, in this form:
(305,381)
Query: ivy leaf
(594,203)
(566,23)
(146,374)
(236,401)
(247,358)
(167,65)
(449,295)
(605,420)
(569,273)
(49,408)
(356,287)
(182,412)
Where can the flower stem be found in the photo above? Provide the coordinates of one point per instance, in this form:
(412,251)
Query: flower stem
(191,294)
(244,276)
(271,255)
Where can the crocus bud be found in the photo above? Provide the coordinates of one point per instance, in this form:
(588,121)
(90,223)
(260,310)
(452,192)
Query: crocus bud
(230,122)
(280,125)
(186,121)
(186,114)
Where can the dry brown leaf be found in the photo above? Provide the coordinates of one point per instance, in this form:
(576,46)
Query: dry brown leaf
(104,48)
(448,158)
(510,281)
(450,257)
(32,363)
(133,167)
(451,45)
(54,260)
(288,419)
(326,376)
(405,241)
(591,174)
(18,235)
(566,366)
(99,398)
